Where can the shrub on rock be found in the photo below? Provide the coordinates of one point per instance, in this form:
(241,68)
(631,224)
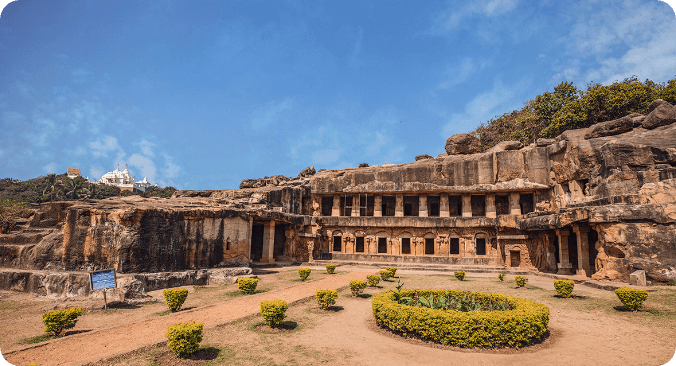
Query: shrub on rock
(521,280)
(184,338)
(373,280)
(564,287)
(274,311)
(56,321)
(304,273)
(247,286)
(632,299)
(357,287)
(175,298)
(459,275)
(330,268)
(326,298)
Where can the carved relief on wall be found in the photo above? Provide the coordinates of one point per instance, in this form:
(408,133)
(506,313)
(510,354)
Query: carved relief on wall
(371,244)
(442,243)
(393,246)
(348,240)
(316,208)
(536,250)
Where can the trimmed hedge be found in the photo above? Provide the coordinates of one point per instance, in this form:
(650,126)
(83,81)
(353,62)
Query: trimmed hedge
(564,287)
(247,286)
(184,338)
(175,298)
(330,268)
(304,273)
(274,311)
(357,287)
(527,321)
(373,280)
(392,269)
(632,299)
(326,298)
(521,280)
(56,321)
(459,275)
(385,274)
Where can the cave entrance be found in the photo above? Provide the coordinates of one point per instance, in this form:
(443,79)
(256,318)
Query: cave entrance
(280,240)
(592,238)
(257,230)
(572,251)
(514,258)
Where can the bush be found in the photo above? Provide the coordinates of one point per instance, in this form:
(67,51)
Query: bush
(247,286)
(273,311)
(525,322)
(459,275)
(671,283)
(385,274)
(373,280)
(175,298)
(184,338)
(564,287)
(304,273)
(56,321)
(357,287)
(521,280)
(392,269)
(501,276)
(330,268)
(326,298)
(632,299)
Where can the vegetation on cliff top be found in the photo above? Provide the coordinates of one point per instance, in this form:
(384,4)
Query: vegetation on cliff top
(567,107)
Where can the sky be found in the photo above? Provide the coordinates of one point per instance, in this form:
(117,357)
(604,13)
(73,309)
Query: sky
(202,94)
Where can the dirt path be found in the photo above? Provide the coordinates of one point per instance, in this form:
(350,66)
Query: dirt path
(92,346)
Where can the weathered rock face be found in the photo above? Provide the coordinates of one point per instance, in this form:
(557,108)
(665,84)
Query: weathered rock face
(422,157)
(461,144)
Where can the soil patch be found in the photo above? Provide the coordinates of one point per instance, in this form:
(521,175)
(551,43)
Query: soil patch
(201,357)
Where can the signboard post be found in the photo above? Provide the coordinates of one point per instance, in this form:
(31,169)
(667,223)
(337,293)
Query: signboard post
(101,280)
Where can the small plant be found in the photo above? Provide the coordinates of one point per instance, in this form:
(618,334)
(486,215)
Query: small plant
(304,273)
(564,287)
(373,280)
(56,321)
(175,298)
(274,311)
(632,299)
(184,338)
(247,286)
(501,276)
(326,298)
(392,269)
(447,301)
(357,287)
(521,280)
(385,274)
(671,283)
(399,287)
(459,275)
(330,268)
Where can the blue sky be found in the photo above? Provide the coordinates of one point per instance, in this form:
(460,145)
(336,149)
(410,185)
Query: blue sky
(202,94)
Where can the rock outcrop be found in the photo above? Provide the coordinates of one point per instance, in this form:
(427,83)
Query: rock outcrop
(462,144)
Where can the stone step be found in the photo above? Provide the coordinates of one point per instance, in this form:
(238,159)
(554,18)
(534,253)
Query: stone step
(426,267)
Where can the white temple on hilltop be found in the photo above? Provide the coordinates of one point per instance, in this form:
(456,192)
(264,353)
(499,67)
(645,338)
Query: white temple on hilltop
(124,180)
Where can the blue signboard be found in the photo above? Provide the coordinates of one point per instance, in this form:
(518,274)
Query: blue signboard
(103,279)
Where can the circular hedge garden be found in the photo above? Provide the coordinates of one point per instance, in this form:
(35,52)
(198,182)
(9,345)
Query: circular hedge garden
(523,321)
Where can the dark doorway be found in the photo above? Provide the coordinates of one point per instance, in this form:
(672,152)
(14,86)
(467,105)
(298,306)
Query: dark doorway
(515,258)
(455,245)
(454,205)
(337,243)
(280,239)
(572,251)
(388,205)
(429,246)
(526,203)
(382,245)
(405,245)
(478,205)
(257,242)
(346,206)
(359,244)
(327,206)
(411,205)
(480,246)
(366,204)
(502,204)
(433,204)
(556,249)
(592,238)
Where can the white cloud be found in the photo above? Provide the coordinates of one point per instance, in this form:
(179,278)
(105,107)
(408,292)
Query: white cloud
(170,170)
(104,145)
(79,151)
(454,17)
(459,73)
(146,147)
(145,165)
(49,168)
(270,113)
(96,172)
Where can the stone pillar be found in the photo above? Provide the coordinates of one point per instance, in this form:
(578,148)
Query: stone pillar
(335,210)
(564,262)
(399,206)
(268,242)
(378,206)
(355,205)
(583,267)
(466,205)
(514,207)
(422,209)
(490,206)
(443,206)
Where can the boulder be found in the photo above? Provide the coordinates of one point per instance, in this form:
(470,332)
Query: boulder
(609,128)
(423,157)
(463,144)
(363,165)
(656,103)
(307,172)
(637,118)
(664,114)
(442,155)
(506,145)
(540,142)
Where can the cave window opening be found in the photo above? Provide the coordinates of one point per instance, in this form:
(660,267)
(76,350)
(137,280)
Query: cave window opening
(337,243)
(454,205)
(429,246)
(359,244)
(502,204)
(327,206)
(455,245)
(526,203)
(433,204)
(405,245)
(382,245)
(478,205)
(480,246)
(388,204)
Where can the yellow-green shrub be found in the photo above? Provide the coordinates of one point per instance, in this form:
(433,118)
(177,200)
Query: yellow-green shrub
(632,299)
(56,321)
(326,298)
(564,287)
(247,286)
(330,268)
(459,275)
(175,298)
(304,273)
(373,280)
(501,276)
(274,311)
(357,286)
(385,274)
(184,338)
(392,269)
(521,280)
(525,322)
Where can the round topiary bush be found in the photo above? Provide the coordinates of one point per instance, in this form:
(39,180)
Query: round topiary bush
(373,280)
(56,321)
(357,287)
(184,338)
(392,269)
(525,322)
(304,273)
(175,298)
(274,311)
(326,298)
(247,286)
(330,268)
(385,274)
(564,287)
(632,299)
(459,275)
